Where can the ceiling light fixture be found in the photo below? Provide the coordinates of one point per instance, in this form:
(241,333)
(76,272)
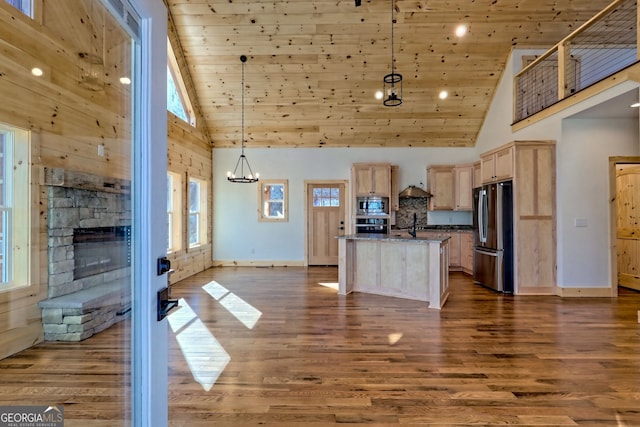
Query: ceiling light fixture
(392,82)
(238,174)
(443,94)
(636,105)
(461,30)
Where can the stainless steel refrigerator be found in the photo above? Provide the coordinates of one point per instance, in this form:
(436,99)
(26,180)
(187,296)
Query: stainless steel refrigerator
(493,236)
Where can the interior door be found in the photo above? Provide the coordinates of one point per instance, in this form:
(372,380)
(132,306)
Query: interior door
(325,220)
(628,224)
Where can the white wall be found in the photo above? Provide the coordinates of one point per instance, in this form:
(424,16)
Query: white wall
(583,193)
(583,147)
(237,234)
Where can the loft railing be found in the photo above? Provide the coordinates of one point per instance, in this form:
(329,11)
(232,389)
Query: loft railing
(604,45)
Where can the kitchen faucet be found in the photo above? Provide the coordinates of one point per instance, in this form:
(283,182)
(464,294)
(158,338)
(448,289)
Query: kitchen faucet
(412,232)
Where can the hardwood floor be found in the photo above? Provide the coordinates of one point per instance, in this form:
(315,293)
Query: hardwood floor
(274,347)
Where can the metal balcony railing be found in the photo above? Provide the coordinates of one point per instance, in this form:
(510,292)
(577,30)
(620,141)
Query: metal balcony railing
(601,47)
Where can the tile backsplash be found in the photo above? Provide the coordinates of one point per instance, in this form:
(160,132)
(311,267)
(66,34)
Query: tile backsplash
(409,206)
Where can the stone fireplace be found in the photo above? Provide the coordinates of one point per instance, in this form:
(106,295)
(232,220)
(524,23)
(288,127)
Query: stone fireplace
(89,254)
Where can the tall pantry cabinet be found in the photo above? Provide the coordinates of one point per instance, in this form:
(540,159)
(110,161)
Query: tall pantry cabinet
(533,171)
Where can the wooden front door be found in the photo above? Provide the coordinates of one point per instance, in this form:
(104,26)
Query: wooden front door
(325,221)
(628,224)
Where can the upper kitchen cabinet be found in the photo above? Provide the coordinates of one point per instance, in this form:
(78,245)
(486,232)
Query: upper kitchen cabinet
(451,187)
(497,165)
(477,174)
(395,192)
(440,185)
(371,179)
(463,187)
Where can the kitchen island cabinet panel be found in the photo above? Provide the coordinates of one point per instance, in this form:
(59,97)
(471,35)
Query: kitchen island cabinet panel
(395,266)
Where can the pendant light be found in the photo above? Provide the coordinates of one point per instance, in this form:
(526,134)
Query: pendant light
(392,86)
(242,165)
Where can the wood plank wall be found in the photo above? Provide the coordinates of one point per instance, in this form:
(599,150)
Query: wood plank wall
(67,122)
(190,156)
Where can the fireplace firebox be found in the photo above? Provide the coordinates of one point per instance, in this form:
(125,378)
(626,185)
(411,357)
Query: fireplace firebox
(101,249)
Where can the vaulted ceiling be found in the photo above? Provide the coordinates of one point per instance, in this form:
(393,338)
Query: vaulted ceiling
(314,66)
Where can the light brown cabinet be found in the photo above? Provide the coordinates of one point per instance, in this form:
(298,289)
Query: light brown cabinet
(450,187)
(394,200)
(466,251)
(463,187)
(371,179)
(454,245)
(440,185)
(497,165)
(532,167)
(477,175)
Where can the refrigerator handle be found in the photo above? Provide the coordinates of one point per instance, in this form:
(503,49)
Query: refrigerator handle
(482,212)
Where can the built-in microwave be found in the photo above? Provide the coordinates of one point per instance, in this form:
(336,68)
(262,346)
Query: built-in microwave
(372,205)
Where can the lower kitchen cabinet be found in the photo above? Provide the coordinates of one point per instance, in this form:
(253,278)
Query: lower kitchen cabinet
(466,251)
(456,260)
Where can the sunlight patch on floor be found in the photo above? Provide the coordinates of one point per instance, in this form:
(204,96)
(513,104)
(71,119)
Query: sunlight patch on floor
(332,285)
(202,351)
(242,310)
(215,289)
(395,337)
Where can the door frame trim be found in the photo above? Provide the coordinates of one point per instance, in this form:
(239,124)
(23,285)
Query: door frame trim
(347,209)
(613,214)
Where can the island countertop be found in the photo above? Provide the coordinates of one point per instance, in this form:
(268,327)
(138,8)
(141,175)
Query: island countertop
(391,237)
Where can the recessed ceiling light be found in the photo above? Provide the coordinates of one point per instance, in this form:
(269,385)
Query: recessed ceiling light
(636,105)
(443,94)
(125,80)
(37,71)
(379,95)
(461,30)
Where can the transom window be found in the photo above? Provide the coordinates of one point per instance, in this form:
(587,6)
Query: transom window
(326,197)
(25,6)
(178,101)
(273,200)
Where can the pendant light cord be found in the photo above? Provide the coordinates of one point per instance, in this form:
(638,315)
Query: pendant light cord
(242,108)
(392,56)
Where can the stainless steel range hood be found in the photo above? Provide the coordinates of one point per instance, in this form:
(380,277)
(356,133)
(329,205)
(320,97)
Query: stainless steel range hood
(414,192)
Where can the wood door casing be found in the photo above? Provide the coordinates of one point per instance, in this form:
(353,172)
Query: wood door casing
(628,224)
(325,221)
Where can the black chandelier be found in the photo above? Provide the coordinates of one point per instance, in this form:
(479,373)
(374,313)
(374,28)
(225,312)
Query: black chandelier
(392,86)
(238,174)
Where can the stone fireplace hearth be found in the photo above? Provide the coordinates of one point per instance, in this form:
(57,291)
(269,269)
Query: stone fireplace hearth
(89,220)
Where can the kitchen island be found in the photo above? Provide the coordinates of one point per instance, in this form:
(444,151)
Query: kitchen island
(395,265)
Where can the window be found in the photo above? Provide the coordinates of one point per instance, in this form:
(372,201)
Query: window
(197,212)
(326,197)
(25,6)
(174,211)
(178,101)
(273,200)
(14,208)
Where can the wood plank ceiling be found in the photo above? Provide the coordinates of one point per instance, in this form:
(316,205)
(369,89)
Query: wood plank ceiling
(314,66)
